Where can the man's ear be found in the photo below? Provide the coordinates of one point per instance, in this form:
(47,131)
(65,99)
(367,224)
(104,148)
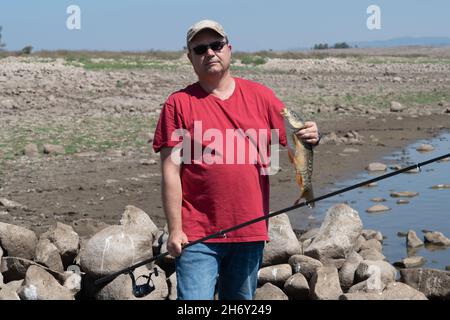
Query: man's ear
(189,56)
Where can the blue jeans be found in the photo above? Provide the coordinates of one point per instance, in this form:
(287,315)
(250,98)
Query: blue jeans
(232,266)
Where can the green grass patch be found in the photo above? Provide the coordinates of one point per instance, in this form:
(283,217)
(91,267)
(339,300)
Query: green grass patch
(119,64)
(253,60)
(90,134)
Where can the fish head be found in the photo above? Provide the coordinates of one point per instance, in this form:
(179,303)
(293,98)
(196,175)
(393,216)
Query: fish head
(292,119)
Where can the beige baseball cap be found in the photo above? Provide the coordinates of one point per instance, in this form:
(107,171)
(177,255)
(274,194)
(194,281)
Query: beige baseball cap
(204,24)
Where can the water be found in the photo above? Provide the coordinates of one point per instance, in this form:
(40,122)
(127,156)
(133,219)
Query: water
(430,210)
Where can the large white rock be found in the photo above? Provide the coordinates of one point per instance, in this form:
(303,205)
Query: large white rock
(18,241)
(325,285)
(304,265)
(297,287)
(41,285)
(47,254)
(338,234)
(134,217)
(382,271)
(433,283)
(283,242)
(277,274)
(347,272)
(65,239)
(269,292)
(114,248)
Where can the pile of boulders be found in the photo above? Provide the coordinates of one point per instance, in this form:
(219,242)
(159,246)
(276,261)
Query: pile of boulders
(341,260)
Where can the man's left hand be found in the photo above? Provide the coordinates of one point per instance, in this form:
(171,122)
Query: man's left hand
(309,133)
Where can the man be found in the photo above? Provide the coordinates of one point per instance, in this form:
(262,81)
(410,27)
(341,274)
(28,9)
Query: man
(203,197)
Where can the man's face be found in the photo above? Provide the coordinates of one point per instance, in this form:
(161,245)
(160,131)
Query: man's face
(210,62)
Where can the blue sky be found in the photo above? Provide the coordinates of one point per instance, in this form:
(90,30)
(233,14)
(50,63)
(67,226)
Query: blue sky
(251,24)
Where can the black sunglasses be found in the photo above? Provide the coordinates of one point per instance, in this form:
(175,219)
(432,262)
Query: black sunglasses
(215,46)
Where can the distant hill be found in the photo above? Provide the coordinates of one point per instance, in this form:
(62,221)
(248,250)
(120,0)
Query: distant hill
(403,41)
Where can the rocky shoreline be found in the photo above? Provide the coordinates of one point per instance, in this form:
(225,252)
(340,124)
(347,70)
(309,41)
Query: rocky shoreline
(338,261)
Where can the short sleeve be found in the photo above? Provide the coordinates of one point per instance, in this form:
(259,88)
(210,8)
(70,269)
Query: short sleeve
(169,121)
(276,120)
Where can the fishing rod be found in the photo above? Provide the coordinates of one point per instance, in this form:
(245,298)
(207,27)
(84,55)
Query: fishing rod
(142,290)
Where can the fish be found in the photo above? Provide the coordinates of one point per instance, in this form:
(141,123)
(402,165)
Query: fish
(300,154)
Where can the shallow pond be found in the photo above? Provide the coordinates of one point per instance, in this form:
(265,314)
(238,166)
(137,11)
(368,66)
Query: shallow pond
(429,210)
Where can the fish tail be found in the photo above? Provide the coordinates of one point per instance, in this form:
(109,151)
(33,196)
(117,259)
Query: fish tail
(308,195)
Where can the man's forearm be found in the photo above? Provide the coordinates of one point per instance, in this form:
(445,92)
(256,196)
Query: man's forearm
(172,197)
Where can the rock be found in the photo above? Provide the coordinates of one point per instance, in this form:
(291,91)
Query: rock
(359,242)
(402,201)
(269,292)
(31,150)
(53,149)
(121,287)
(408,194)
(297,287)
(378,199)
(372,244)
(114,248)
(401,291)
(9,204)
(361,296)
(436,238)
(304,265)
(371,185)
(378,208)
(277,274)
(66,241)
(18,241)
(48,255)
(347,272)
(14,268)
(370,285)
(350,150)
(283,242)
(433,283)
(40,285)
(310,234)
(73,282)
(7,293)
(415,170)
(441,186)
(382,270)
(172,286)
(325,285)
(393,291)
(376,166)
(337,235)
(372,234)
(425,148)
(134,217)
(397,106)
(410,262)
(372,254)
(412,240)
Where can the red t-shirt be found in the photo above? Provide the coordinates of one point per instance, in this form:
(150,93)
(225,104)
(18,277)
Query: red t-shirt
(221,193)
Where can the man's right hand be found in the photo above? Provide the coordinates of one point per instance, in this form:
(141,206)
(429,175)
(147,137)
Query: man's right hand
(176,242)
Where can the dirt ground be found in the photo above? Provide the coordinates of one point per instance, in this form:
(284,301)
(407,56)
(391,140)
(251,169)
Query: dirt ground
(104,117)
